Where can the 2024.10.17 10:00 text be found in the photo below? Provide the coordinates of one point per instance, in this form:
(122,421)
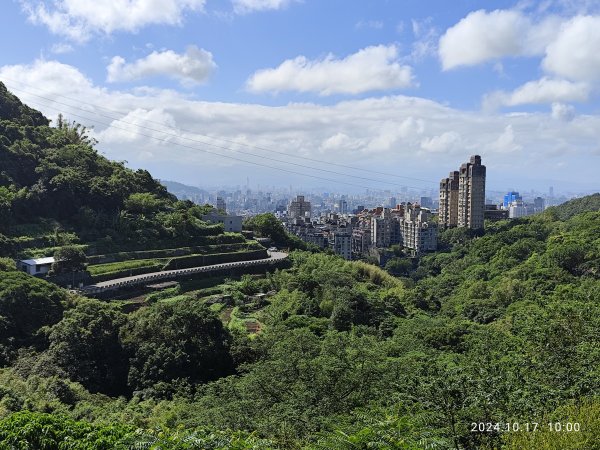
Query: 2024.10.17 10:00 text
(503,427)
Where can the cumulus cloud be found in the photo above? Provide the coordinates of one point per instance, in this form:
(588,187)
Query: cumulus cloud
(542,91)
(370,69)
(194,66)
(444,142)
(482,36)
(410,134)
(560,111)
(79,19)
(506,142)
(574,53)
(247,6)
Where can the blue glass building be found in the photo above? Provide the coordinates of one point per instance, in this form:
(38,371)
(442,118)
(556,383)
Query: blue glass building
(511,197)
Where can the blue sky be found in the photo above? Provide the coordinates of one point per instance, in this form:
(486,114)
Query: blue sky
(408,88)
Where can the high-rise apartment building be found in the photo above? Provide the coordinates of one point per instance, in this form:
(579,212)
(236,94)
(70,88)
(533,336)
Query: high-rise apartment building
(470,196)
(471,193)
(419,233)
(299,208)
(341,243)
(448,209)
(385,230)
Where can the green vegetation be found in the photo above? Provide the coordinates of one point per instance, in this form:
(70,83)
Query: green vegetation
(25,431)
(68,259)
(123,266)
(56,190)
(496,327)
(268,226)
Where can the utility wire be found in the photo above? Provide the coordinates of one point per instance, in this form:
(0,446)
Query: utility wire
(230,141)
(207,143)
(207,151)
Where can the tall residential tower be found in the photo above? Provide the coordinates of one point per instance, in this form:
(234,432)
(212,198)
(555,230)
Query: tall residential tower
(448,210)
(462,196)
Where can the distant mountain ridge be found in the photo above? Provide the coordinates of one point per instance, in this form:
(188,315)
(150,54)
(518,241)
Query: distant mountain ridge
(566,210)
(183,191)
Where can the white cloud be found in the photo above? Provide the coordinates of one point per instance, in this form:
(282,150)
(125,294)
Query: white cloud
(542,91)
(341,141)
(482,36)
(393,133)
(426,37)
(560,111)
(79,19)
(194,66)
(506,142)
(445,142)
(369,69)
(247,6)
(574,53)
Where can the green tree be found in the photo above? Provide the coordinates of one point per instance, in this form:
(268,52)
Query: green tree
(69,259)
(86,345)
(182,340)
(26,305)
(27,430)
(143,203)
(267,225)
(398,266)
(6,199)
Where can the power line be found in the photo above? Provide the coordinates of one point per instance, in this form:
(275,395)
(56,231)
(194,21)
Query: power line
(234,142)
(207,143)
(208,151)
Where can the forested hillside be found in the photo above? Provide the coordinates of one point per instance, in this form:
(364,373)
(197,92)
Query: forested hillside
(500,328)
(56,189)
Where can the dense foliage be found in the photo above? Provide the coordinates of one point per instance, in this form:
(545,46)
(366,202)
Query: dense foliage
(496,327)
(500,328)
(52,179)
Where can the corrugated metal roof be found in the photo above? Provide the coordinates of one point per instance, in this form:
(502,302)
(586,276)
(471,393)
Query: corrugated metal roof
(36,261)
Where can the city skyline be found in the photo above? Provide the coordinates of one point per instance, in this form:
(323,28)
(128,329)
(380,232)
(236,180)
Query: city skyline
(377,96)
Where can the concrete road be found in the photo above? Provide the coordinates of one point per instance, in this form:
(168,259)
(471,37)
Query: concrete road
(167,274)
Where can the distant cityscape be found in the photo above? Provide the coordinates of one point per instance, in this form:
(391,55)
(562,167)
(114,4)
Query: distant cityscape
(360,226)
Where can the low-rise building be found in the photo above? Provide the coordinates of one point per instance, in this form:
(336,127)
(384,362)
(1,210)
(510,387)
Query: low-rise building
(493,213)
(316,238)
(230,223)
(36,266)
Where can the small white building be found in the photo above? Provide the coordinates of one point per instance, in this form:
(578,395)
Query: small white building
(37,266)
(230,223)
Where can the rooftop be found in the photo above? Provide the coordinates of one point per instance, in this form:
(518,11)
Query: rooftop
(40,261)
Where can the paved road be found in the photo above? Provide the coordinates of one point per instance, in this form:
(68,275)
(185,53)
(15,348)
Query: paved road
(167,274)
